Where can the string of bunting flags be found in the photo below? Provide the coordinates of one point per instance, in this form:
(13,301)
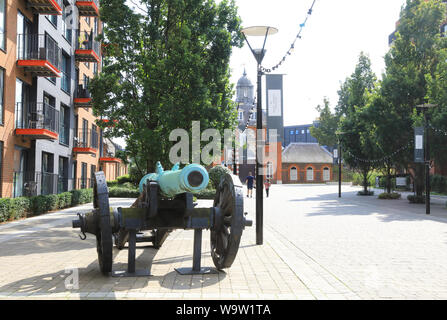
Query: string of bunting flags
(292,46)
(384,158)
(437,130)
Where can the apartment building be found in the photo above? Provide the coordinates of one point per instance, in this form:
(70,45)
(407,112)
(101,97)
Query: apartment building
(49,138)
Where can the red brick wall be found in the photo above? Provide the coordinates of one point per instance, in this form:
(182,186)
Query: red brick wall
(302,172)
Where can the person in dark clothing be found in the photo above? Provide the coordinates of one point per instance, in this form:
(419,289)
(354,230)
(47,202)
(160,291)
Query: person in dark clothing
(250,179)
(267,186)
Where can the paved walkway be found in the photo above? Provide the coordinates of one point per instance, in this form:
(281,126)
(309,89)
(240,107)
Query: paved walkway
(35,253)
(316,246)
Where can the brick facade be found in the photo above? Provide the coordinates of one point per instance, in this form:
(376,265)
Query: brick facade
(302,176)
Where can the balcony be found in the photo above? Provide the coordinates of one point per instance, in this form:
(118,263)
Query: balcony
(87,48)
(39,55)
(88,8)
(86,141)
(51,7)
(106,122)
(110,157)
(33,183)
(37,121)
(82,98)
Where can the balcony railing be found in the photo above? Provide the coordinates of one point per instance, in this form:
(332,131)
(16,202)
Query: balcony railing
(88,8)
(87,48)
(38,120)
(38,54)
(82,96)
(33,183)
(84,183)
(64,184)
(52,7)
(86,141)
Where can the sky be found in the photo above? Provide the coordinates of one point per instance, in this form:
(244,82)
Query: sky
(335,34)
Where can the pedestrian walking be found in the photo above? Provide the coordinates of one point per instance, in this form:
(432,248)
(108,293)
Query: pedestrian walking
(267,185)
(250,179)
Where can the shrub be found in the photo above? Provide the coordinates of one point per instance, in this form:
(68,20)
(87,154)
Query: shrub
(389,196)
(416,199)
(19,207)
(438,183)
(112,183)
(124,178)
(120,192)
(52,202)
(81,196)
(5,209)
(64,200)
(207,193)
(367,193)
(216,173)
(39,204)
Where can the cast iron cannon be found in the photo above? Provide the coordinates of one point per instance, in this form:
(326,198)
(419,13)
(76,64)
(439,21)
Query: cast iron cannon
(165,204)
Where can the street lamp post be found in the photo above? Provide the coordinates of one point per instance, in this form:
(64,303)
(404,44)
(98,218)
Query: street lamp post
(259,31)
(339,133)
(425,108)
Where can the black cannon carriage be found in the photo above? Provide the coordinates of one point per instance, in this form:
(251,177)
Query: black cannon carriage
(165,204)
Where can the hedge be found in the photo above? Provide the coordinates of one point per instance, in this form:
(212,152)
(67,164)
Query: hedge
(123,192)
(389,196)
(22,207)
(416,199)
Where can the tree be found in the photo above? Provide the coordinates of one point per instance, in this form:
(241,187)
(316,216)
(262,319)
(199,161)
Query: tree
(324,132)
(411,60)
(166,66)
(358,138)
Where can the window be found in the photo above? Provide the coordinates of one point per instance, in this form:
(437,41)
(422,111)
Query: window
(310,174)
(23,30)
(52,19)
(326,174)
(83,175)
(302,131)
(297,132)
(66,73)
(47,173)
(87,20)
(92,175)
(62,185)
(84,134)
(241,115)
(94,137)
(64,125)
(2,83)
(2,24)
(308,131)
(292,132)
(66,15)
(293,174)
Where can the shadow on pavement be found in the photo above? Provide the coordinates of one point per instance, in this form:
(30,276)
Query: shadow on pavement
(91,280)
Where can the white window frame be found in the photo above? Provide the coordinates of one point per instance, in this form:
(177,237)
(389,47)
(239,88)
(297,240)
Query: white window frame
(308,171)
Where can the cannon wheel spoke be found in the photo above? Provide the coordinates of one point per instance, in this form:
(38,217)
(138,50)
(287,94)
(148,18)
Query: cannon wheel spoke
(225,240)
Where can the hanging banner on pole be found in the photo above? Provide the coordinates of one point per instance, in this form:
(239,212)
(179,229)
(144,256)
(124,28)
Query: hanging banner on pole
(419,144)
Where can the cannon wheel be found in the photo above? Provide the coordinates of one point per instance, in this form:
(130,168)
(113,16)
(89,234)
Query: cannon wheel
(104,243)
(225,238)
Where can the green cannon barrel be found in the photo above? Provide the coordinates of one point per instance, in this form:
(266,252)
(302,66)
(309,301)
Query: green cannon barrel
(192,178)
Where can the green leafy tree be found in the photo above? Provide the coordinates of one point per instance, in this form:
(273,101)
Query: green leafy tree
(166,65)
(358,138)
(412,59)
(324,132)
